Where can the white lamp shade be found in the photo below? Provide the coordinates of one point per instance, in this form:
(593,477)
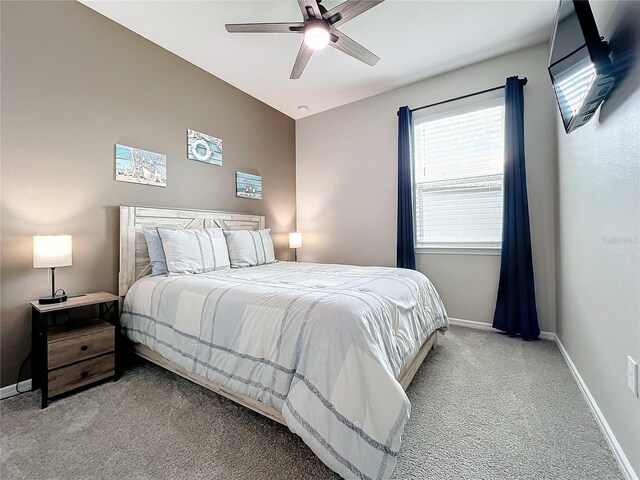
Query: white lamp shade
(51,251)
(295,240)
(316,37)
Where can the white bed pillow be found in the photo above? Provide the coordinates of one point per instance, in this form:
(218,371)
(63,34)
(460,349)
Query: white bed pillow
(156,254)
(248,248)
(194,250)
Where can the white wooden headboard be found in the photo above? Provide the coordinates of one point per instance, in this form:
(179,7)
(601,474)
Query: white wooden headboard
(134,257)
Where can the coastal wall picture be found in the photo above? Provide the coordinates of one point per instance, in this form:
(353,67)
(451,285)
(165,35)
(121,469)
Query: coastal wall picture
(140,166)
(204,148)
(248,186)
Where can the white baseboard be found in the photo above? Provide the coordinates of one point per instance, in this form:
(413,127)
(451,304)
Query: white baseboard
(618,453)
(487,326)
(10,390)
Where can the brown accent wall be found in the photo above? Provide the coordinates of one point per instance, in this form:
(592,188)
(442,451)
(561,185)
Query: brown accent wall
(74,84)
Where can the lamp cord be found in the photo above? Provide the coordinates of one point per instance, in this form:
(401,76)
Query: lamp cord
(20,373)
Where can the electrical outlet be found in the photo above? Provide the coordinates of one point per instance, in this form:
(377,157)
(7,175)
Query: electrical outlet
(632,375)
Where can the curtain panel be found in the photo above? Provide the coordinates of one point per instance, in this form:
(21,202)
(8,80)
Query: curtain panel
(406,255)
(516,311)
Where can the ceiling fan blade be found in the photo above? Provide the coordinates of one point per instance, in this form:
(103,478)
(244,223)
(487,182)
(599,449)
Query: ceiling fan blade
(306,5)
(264,27)
(345,44)
(348,10)
(304,54)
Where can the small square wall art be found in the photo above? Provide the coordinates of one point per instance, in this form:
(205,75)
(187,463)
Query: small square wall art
(204,148)
(248,186)
(140,166)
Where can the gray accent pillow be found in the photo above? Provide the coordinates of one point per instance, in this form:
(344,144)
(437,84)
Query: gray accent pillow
(156,253)
(248,248)
(194,250)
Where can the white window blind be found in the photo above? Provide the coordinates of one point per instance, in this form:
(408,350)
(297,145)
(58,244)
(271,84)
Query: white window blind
(458,162)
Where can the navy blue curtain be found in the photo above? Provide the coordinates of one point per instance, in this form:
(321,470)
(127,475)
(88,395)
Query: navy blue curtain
(406,255)
(516,303)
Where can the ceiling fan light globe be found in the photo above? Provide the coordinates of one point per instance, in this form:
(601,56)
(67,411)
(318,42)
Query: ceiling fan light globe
(316,37)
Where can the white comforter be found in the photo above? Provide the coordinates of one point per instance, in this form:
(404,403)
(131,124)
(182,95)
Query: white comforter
(323,344)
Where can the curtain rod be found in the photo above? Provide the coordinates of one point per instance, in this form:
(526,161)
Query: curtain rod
(522,81)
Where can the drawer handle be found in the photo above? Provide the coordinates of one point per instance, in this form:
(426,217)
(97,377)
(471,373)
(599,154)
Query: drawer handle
(84,348)
(84,374)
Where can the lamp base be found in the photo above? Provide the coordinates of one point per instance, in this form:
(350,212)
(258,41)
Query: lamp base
(52,299)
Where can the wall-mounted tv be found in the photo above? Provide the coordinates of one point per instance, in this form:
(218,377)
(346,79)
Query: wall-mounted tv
(579,64)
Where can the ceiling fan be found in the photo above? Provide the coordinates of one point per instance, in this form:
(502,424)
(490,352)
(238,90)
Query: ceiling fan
(320,28)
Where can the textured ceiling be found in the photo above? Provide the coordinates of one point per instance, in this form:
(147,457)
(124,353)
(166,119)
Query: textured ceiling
(414,39)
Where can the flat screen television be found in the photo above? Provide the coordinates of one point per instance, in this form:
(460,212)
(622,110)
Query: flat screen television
(579,64)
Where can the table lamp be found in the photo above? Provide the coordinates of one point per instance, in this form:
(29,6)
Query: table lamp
(51,251)
(295,242)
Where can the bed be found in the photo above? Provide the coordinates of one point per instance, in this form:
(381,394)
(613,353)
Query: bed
(326,350)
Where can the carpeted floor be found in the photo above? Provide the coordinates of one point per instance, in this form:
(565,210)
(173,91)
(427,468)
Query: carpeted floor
(485,406)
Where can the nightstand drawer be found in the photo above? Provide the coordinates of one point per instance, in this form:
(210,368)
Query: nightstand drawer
(80,374)
(70,346)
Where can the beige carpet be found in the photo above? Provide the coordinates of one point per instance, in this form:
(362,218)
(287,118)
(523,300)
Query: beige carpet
(484,406)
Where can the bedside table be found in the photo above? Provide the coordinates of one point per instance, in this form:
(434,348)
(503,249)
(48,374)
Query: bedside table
(77,353)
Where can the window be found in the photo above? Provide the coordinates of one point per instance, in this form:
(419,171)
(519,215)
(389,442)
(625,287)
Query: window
(458,173)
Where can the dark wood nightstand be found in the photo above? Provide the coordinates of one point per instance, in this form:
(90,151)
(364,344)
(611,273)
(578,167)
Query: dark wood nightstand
(75,353)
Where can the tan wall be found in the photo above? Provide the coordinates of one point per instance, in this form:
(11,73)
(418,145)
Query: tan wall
(599,235)
(347,184)
(74,84)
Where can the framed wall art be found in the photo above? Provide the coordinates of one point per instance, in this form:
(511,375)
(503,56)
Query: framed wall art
(204,148)
(135,165)
(248,186)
